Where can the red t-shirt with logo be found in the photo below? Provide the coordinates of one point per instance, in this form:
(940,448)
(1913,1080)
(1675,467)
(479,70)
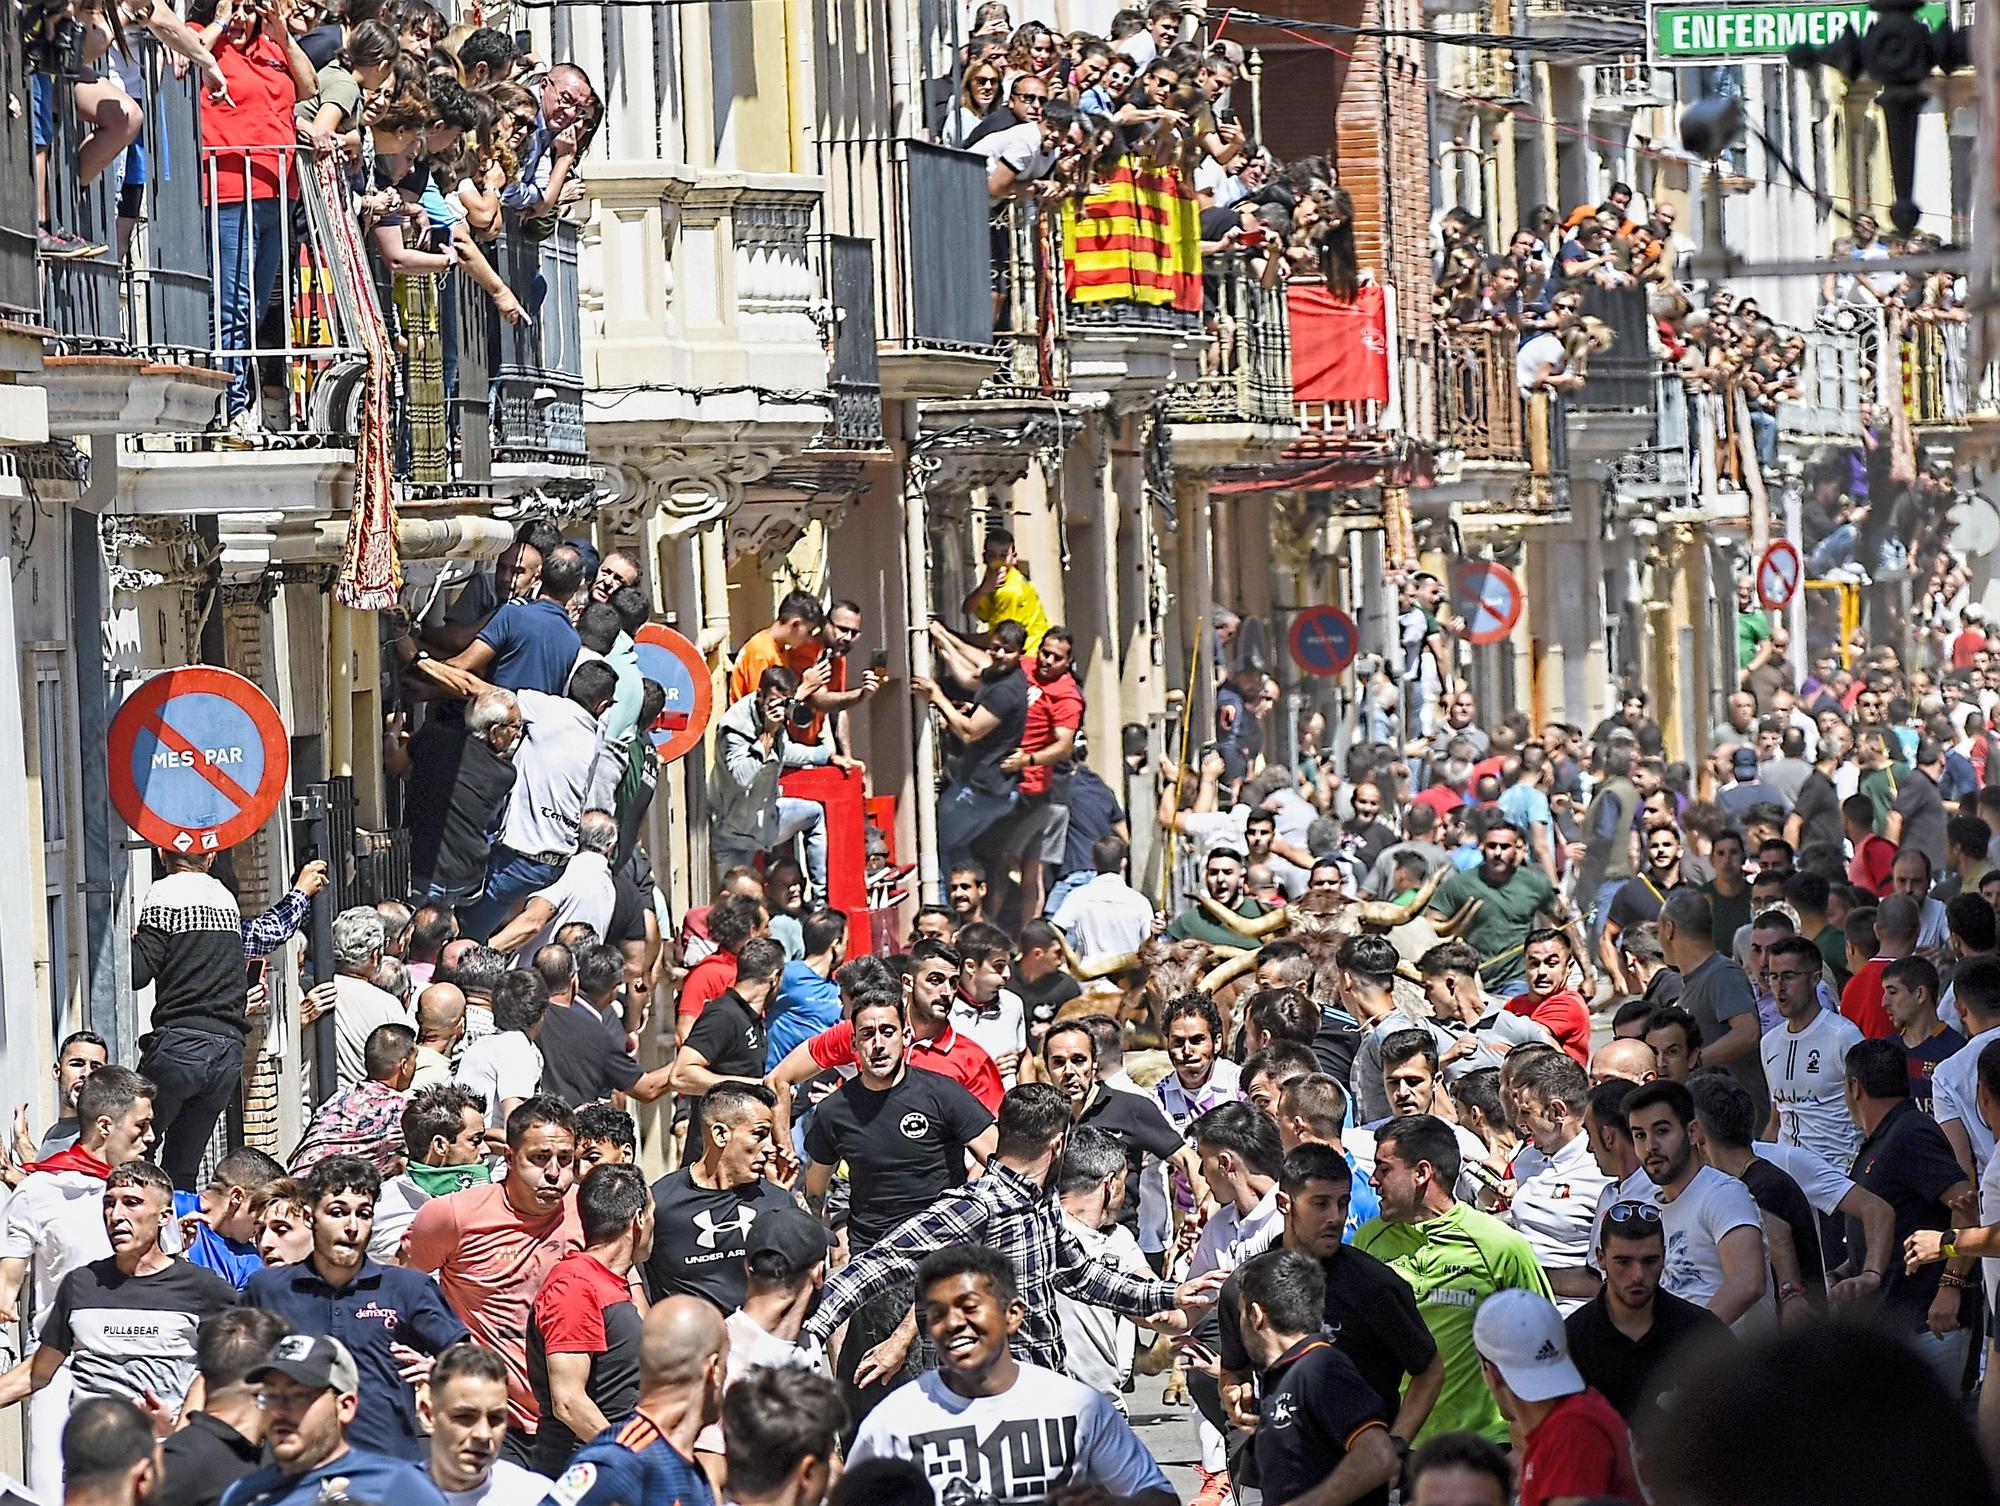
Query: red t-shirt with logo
(950,1053)
(1052,705)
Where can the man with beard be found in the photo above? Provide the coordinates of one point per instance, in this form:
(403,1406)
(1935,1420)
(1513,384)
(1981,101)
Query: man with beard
(1364,834)
(705,1210)
(372,1309)
(1512,900)
(952,1420)
(126,1323)
(1715,1234)
(310,1391)
(1010,1206)
(1222,877)
(904,1137)
(464,1408)
(491,1247)
(1639,898)
(81,1053)
(1069,1060)
(981,790)
(1039,825)
(930,985)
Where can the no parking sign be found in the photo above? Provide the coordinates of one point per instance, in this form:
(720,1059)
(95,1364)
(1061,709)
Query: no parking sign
(1324,640)
(198,759)
(664,655)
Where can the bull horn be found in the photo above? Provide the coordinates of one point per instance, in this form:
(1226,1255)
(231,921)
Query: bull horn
(1407,971)
(1452,924)
(1388,913)
(1220,977)
(1100,967)
(1242,925)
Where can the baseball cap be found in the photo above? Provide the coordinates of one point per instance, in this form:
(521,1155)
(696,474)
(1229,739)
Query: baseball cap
(798,1239)
(312,1360)
(1745,763)
(1520,1334)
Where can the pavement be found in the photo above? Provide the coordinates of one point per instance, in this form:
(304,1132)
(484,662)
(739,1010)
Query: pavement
(1169,1432)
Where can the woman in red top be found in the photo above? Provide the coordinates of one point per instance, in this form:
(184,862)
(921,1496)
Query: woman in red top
(247,140)
(1550,1002)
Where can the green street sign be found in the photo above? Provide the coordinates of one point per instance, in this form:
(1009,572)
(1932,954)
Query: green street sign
(1686,35)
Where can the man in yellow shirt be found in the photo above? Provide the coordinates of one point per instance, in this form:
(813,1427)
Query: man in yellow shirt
(1005,593)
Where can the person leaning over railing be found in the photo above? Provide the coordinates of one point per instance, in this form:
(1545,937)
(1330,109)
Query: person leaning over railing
(331,119)
(246,135)
(110,27)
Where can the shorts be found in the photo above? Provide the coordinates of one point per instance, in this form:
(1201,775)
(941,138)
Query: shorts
(1035,820)
(45,109)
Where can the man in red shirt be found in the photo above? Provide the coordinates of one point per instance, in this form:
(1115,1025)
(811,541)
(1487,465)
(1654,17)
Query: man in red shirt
(1550,1002)
(732,920)
(929,985)
(1874,861)
(1040,825)
(583,1331)
(1876,938)
(1572,1443)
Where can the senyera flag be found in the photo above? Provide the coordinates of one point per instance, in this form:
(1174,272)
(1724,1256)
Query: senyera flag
(1340,351)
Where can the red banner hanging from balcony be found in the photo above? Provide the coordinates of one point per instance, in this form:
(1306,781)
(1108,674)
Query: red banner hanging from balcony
(1340,351)
(1135,239)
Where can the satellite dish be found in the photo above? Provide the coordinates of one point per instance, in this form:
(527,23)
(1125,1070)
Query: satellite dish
(1975,526)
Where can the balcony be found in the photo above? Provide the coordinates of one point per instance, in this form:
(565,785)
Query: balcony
(924,209)
(1238,410)
(1030,311)
(1629,84)
(127,341)
(1480,412)
(704,355)
(1610,21)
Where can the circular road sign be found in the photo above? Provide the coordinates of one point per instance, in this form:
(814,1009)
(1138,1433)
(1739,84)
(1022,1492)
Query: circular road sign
(199,759)
(1324,640)
(1488,598)
(1778,574)
(666,656)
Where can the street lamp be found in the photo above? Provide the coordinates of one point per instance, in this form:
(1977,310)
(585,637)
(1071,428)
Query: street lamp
(1899,53)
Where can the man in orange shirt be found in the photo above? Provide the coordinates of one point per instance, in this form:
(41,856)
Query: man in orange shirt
(819,658)
(793,641)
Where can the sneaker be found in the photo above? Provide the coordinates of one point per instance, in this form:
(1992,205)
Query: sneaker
(1214,1490)
(247,424)
(59,244)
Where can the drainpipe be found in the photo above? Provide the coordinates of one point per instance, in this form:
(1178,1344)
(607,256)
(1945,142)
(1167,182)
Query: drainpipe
(916,617)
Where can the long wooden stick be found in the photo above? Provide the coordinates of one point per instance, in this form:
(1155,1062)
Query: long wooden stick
(1180,773)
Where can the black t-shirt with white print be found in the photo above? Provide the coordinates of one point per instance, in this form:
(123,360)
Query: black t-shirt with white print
(903,1146)
(700,1236)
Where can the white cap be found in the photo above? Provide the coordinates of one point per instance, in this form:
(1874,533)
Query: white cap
(1520,1334)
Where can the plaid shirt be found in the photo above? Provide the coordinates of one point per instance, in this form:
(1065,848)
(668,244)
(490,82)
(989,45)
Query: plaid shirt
(277,925)
(1023,1222)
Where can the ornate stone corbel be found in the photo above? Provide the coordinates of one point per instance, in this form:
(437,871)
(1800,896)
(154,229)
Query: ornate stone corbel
(690,487)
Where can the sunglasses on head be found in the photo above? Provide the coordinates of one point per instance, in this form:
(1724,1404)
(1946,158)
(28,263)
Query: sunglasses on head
(1645,1215)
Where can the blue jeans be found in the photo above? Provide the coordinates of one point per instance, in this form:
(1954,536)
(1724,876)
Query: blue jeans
(964,815)
(1833,551)
(510,876)
(794,816)
(247,252)
(1764,430)
(1063,886)
(1512,990)
(1601,905)
(196,1073)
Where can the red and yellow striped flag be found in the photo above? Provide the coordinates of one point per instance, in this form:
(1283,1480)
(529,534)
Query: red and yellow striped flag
(1135,239)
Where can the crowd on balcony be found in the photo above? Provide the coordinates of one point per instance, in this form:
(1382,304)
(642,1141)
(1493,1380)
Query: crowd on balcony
(424,142)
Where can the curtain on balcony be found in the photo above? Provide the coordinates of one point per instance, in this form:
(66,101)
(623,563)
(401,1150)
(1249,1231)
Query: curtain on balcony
(1135,239)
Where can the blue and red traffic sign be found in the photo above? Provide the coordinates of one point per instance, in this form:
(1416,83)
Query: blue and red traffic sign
(198,759)
(1488,599)
(666,656)
(1324,640)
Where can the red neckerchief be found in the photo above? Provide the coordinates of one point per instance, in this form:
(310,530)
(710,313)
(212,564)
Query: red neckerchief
(75,1158)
